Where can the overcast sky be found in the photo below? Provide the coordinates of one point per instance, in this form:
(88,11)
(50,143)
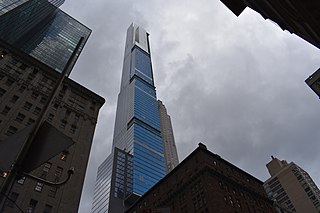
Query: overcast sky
(233,83)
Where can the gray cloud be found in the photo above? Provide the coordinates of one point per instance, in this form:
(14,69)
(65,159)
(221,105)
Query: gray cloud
(233,83)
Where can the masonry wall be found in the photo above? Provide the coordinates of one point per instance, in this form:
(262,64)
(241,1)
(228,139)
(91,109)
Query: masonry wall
(204,182)
(25,86)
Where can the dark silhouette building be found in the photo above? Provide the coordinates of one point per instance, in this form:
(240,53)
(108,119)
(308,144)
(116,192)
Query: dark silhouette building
(204,182)
(25,85)
(300,17)
(314,82)
(37,40)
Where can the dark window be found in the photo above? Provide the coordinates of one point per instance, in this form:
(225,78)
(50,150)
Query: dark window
(68,112)
(58,173)
(47,209)
(9,82)
(23,66)
(5,110)
(14,98)
(76,118)
(73,129)
(20,117)
(11,130)
(50,117)
(2,91)
(13,198)
(27,106)
(63,124)
(32,206)
(53,191)
(34,95)
(55,106)
(43,100)
(30,121)
(22,88)
(37,110)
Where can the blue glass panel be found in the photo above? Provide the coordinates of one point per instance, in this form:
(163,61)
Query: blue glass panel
(148,138)
(145,87)
(146,108)
(143,65)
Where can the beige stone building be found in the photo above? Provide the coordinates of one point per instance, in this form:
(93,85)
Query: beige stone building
(292,187)
(25,85)
(171,154)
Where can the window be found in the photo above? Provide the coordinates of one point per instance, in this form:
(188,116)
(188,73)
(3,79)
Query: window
(11,130)
(55,106)
(14,98)
(30,121)
(58,173)
(9,82)
(2,91)
(5,110)
(50,117)
(20,117)
(73,129)
(76,118)
(23,66)
(47,209)
(38,187)
(37,110)
(34,95)
(21,180)
(27,106)
(63,124)
(46,167)
(22,88)
(53,191)
(13,198)
(68,112)
(64,155)
(43,99)
(32,206)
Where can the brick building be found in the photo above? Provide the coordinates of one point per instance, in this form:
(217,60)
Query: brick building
(204,182)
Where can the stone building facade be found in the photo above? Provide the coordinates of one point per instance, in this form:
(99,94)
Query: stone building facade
(25,85)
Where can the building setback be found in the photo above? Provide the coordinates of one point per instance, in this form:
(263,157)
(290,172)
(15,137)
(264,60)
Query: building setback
(292,187)
(170,149)
(137,131)
(204,182)
(297,16)
(25,84)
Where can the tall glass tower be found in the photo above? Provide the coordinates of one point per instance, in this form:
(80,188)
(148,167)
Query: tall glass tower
(137,161)
(40,29)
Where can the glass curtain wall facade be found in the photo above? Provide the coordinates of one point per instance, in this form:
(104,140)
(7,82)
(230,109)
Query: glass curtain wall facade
(137,127)
(42,30)
(7,5)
